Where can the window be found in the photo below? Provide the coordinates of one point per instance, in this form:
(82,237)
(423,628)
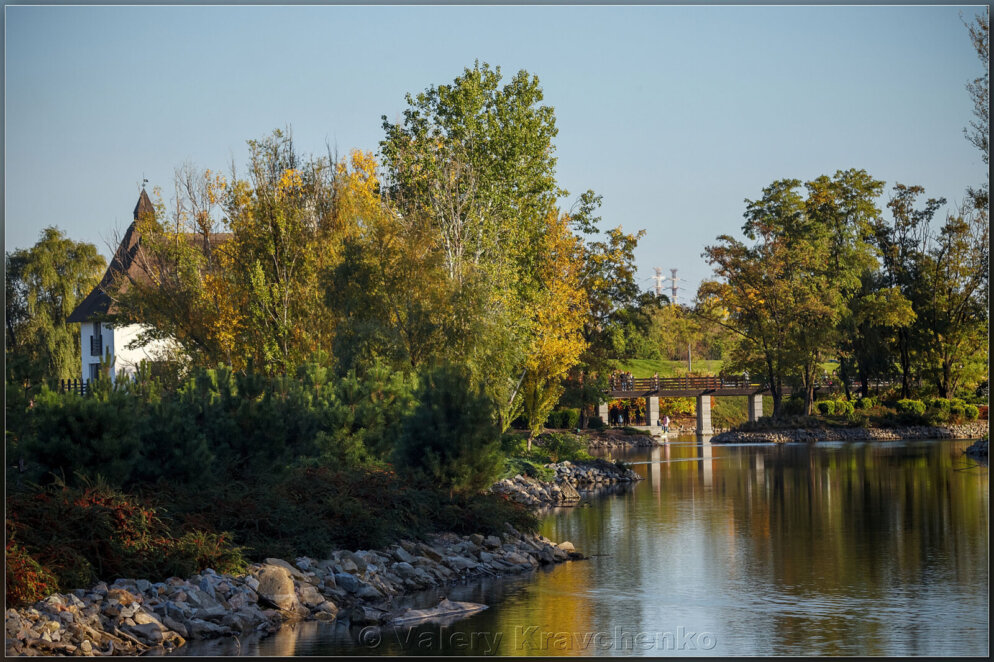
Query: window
(96,341)
(94,370)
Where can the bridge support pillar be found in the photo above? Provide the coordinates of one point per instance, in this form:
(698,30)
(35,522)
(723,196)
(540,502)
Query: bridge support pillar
(603,411)
(704,415)
(755,407)
(652,411)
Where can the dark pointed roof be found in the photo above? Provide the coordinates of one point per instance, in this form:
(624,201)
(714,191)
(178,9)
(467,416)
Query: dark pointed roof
(97,302)
(144,206)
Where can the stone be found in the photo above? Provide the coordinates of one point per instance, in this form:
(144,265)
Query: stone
(276,587)
(86,646)
(403,569)
(347,582)
(491,542)
(151,632)
(143,585)
(368,592)
(459,563)
(252,583)
(122,595)
(294,572)
(476,539)
(142,617)
(310,596)
(402,555)
(566,546)
(175,626)
(200,629)
(349,566)
(486,557)
(326,610)
(201,599)
(431,553)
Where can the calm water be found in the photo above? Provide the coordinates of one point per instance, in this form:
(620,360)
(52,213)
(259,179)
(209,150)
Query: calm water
(832,549)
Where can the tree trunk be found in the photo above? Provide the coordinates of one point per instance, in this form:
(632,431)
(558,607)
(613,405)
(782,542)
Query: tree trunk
(844,376)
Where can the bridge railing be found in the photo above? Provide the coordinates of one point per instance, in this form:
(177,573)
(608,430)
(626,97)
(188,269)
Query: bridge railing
(621,383)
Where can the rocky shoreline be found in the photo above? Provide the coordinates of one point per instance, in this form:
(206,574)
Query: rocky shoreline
(136,616)
(563,489)
(621,441)
(978,448)
(971,430)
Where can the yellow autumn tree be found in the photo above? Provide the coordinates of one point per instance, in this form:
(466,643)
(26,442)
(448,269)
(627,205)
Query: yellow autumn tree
(560,310)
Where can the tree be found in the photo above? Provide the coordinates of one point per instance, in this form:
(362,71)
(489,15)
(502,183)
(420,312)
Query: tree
(44,285)
(845,206)
(979,131)
(952,307)
(474,160)
(471,170)
(450,439)
(776,295)
(902,244)
(560,310)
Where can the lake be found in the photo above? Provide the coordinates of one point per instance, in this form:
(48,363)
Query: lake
(877,548)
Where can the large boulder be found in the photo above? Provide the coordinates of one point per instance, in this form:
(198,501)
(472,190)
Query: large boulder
(276,587)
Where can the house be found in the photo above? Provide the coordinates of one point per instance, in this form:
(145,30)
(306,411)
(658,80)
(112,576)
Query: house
(100,339)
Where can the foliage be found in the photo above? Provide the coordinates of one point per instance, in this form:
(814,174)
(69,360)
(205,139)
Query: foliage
(826,407)
(27,581)
(971,412)
(908,406)
(84,534)
(560,447)
(564,419)
(844,407)
(43,286)
(450,439)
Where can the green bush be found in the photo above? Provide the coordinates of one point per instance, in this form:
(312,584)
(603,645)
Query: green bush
(826,407)
(971,412)
(563,419)
(907,406)
(844,407)
(792,406)
(595,423)
(866,402)
(450,439)
(857,419)
(939,405)
(559,447)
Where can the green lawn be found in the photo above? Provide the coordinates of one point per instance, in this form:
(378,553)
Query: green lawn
(647,367)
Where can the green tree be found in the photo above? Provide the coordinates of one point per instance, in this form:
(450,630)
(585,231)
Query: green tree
(979,130)
(44,285)
(845,206)
(902,243)
(776,294)
(450,439)
(952,306)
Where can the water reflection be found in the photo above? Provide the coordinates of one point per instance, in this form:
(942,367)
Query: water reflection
(831,549)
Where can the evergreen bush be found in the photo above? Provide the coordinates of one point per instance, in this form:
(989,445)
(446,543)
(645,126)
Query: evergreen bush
(908,406)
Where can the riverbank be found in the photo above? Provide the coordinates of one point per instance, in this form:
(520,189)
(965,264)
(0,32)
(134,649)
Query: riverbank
(562,490)
(136,616)
(973,430)
(978,448)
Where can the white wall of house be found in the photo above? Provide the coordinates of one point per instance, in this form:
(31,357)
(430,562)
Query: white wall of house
(115,340)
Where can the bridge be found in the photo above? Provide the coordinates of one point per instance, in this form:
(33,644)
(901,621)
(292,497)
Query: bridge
(702,388)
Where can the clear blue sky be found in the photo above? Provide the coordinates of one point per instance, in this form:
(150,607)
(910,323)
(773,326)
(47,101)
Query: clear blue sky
(674,114)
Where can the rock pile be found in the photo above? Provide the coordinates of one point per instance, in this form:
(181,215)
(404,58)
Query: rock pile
(562,490)
(621,441)
(134,616)
(978,448)
(964,431)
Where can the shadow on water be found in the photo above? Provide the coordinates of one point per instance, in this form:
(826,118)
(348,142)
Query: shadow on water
(793,549)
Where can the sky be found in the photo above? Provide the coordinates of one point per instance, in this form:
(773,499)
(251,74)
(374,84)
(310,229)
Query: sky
(674,114)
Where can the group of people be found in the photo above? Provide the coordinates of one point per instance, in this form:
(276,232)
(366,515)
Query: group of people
(622,381)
